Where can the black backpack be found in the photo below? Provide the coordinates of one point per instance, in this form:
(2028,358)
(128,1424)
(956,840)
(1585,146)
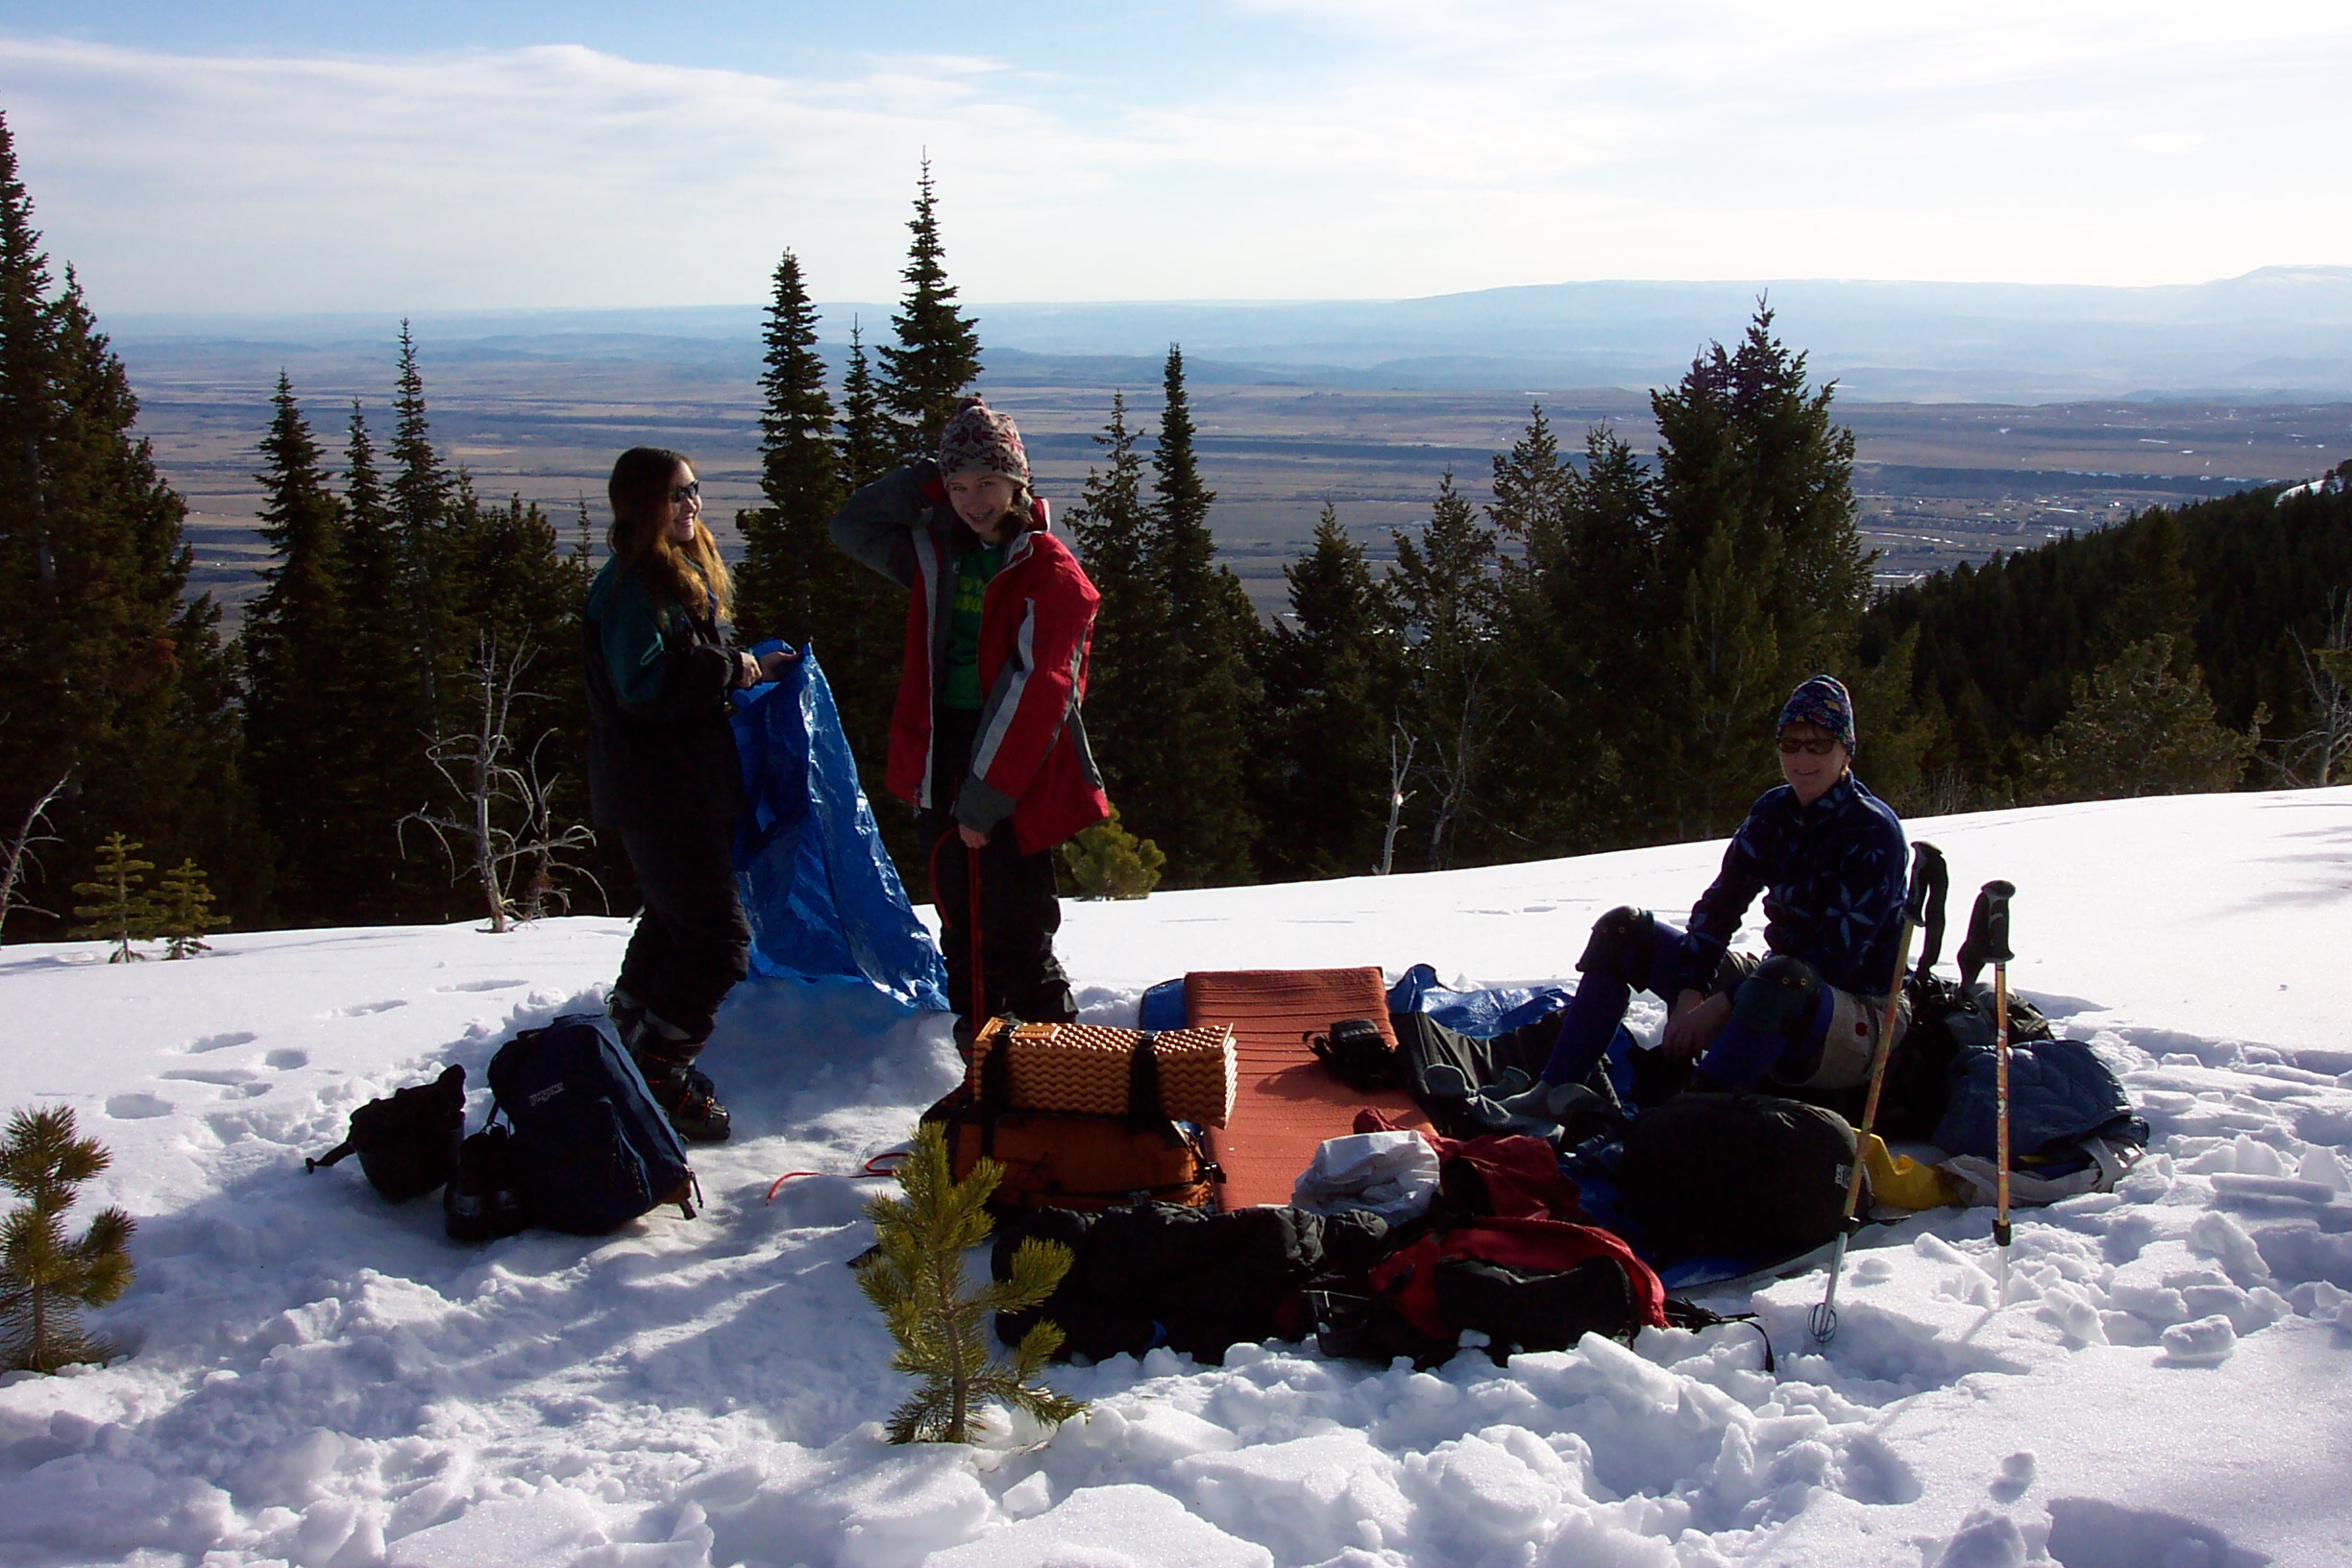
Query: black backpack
(1946,1021)
(588,1148)
(407,1143)
(1357,1055)
(1737,1173)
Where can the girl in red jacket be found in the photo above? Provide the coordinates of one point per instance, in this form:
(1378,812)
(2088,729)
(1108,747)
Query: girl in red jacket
(987,740)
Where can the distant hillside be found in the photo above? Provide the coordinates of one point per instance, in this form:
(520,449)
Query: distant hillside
(2279,331)
(2247,582)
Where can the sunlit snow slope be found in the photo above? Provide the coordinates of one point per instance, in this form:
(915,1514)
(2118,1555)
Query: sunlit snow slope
(319,1378)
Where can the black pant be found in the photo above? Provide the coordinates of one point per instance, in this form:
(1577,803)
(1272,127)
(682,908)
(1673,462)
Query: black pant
(691,942)
(1017,909)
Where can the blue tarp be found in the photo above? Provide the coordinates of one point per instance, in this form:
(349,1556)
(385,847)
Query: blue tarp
(822,894)
(1484,1014)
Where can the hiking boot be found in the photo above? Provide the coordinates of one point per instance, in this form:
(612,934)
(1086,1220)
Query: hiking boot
(482,1202)
(684,1092)
(690,1101)
(625,1011)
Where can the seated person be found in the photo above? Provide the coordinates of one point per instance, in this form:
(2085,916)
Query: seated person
(1829,856)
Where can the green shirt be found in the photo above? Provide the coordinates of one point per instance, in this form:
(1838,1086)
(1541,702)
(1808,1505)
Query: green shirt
(960,684)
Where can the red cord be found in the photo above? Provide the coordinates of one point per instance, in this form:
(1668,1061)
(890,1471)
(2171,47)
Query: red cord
(773,1185)
(869,1172)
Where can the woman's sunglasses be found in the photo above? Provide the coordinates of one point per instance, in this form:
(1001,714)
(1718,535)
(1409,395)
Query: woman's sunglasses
(1790,746)
(682,494)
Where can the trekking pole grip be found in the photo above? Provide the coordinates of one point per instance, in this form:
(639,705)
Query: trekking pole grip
(1995,901)
(1927,870)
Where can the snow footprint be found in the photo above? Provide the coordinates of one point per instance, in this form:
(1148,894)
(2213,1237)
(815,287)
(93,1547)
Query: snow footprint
(364,1008)
(137,1107)
(223,1077)
(233,1083)
(476,985)
(2016,1476)
(219,1043)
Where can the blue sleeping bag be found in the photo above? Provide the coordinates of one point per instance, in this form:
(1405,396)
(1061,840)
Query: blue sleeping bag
(2060,1093)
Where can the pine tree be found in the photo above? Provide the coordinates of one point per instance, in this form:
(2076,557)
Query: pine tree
(1756,497)
(1329,672)
(938,353)
(1455,700)
(788,581)
(183,911)
(297,728)
(1534,491)
(384,774)
(2158,596)
(1131,679)
(795,584)
(1206,825)
(420,497)
(1550,647)
(1106,860)
(111,676)
(915,1276)
(2139,726)
(46,1279)
(869,445)
(121,911)
(1902,730)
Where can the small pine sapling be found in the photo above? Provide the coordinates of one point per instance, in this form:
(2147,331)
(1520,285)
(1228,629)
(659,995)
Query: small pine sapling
(183,911)
(123,912)
(916,1276)
(1106,860)
(44,1278)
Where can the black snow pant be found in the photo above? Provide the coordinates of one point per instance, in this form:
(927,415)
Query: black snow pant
(691,942)
(1015,907)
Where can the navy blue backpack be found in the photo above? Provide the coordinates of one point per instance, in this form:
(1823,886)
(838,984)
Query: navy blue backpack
(588,1146)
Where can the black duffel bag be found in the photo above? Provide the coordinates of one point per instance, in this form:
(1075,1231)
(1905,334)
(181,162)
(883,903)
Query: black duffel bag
(1737,1173)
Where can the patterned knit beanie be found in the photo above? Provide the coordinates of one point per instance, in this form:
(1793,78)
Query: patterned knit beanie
(1822,700)
(980,440)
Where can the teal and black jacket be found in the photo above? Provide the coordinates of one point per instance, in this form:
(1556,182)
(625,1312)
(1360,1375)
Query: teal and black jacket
(660,748)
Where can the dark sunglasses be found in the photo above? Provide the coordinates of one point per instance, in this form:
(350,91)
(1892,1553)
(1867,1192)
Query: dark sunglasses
(1790,746)
(682,494)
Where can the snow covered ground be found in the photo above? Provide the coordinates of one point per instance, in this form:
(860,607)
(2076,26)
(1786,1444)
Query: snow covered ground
(319,1378)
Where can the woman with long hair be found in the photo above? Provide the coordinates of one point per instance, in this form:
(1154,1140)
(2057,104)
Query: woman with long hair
(986,739)
(662,771)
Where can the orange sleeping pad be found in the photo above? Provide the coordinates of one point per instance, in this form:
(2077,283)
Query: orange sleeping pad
(1287,1103)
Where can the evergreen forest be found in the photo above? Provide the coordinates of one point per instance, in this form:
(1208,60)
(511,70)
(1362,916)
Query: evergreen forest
(1592,660)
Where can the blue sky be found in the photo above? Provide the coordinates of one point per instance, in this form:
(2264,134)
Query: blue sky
(271,155)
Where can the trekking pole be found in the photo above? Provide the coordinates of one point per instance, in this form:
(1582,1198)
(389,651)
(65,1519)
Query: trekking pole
(1926,870)
(979,989)
(1994,904)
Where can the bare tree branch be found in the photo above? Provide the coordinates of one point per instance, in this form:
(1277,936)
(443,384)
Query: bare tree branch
(2329,741)
(1399,769)
(492,791)
(20,852)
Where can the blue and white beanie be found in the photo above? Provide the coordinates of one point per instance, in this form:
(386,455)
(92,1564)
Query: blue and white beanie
(1823,700)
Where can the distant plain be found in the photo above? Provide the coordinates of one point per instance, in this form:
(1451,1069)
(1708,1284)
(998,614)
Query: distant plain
(542,416)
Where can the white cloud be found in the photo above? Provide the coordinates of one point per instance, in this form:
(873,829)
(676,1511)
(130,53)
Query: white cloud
(1413,149)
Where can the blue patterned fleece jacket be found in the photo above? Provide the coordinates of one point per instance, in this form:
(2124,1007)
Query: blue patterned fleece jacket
(1832,875)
